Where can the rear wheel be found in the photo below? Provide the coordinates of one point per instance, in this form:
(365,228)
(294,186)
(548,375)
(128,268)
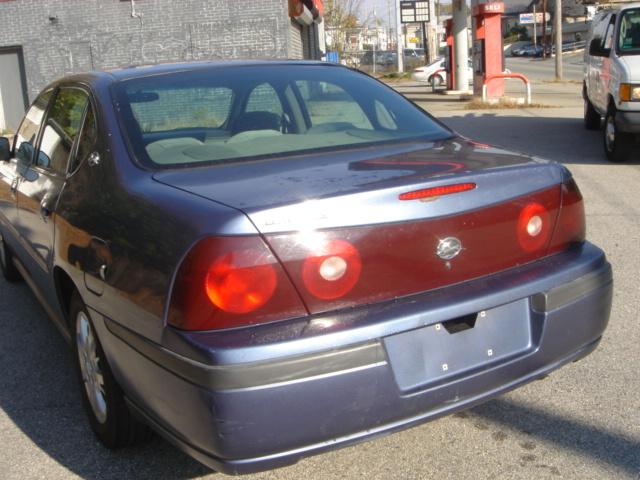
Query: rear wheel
(617,145)
(591,116)
(436,81)
(9,270)
(102,398)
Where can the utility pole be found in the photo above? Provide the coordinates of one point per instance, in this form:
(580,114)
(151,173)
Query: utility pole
(558,31)
(460,44)
(535,27)
(433,33)
(545,43)
(375,24)
(399,47)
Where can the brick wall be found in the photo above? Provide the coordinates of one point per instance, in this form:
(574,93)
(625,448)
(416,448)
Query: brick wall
(59,37)
(296,50)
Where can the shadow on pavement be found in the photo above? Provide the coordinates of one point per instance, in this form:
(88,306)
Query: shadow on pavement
(564,140)
(612,448)
(40,395)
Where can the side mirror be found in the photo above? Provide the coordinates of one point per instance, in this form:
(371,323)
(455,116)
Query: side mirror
(5,149)
(596,50)
(24,154)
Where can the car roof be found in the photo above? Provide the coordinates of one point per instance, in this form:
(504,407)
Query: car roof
(131,72)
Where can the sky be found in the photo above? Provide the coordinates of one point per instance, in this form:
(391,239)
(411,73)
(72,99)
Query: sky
(381,9)
(385,8)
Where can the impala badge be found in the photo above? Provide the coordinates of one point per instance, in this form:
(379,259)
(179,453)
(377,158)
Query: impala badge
(449,248)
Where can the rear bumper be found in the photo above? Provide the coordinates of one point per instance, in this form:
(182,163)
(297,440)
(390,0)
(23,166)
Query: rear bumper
(628,121)
(303,392)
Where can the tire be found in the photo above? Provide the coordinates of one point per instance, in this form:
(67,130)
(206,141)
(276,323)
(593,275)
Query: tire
(9,270)
(436,81)
(617,145)
(592,119)
(102,398)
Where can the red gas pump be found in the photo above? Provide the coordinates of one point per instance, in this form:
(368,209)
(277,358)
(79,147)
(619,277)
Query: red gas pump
(488,53)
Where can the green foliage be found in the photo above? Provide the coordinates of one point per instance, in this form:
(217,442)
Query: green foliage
(67,110)
(517,33)
(341,17)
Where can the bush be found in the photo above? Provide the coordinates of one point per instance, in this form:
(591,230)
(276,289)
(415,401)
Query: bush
(516,34)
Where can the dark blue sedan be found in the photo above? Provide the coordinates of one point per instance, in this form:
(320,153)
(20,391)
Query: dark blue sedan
(266,260)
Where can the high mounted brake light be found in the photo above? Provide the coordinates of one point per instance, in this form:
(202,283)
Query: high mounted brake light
(437,191)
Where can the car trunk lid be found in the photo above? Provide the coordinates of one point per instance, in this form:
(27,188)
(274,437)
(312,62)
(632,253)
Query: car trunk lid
(338,226)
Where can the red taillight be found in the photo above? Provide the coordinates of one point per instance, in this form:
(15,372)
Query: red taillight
(418,70)
(331,269)
(571,225)
(534,227)
(437,191)
(229,282)
(241,281)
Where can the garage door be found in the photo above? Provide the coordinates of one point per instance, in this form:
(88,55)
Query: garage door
(13,99)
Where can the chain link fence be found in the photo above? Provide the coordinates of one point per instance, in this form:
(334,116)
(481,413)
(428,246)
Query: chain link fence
(382,61)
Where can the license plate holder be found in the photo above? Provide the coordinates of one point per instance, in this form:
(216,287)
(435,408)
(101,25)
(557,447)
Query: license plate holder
(432,354)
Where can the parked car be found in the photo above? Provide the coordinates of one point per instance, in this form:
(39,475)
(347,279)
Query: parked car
(390,57)
(611,87)
(519,51)
(382,57)
(267,260)
(531,51)
(435,73)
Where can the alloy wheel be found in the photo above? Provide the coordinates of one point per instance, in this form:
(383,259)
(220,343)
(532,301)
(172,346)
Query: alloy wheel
(92,376)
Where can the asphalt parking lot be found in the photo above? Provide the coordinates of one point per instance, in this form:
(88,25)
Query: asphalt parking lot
(582,422)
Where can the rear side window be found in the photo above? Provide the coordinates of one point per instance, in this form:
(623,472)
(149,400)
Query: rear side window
(28,131)
(87,140)
(61,129)
(177,107)
(264,98)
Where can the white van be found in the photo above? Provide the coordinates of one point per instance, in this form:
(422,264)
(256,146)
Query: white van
(612,79)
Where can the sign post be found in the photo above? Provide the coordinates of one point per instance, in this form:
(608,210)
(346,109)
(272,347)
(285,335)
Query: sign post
(535,29)
(528,18)
(415,11)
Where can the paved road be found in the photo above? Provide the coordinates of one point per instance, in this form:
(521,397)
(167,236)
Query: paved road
(583,422)
(539,69)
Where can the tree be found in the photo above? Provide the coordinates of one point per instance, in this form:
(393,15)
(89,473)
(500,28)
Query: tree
(341,17)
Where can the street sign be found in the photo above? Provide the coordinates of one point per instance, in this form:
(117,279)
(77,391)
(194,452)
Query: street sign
(527,18)
(414,12)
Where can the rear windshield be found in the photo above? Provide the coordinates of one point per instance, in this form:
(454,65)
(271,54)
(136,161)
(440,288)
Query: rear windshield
(236,113)
(629,37)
